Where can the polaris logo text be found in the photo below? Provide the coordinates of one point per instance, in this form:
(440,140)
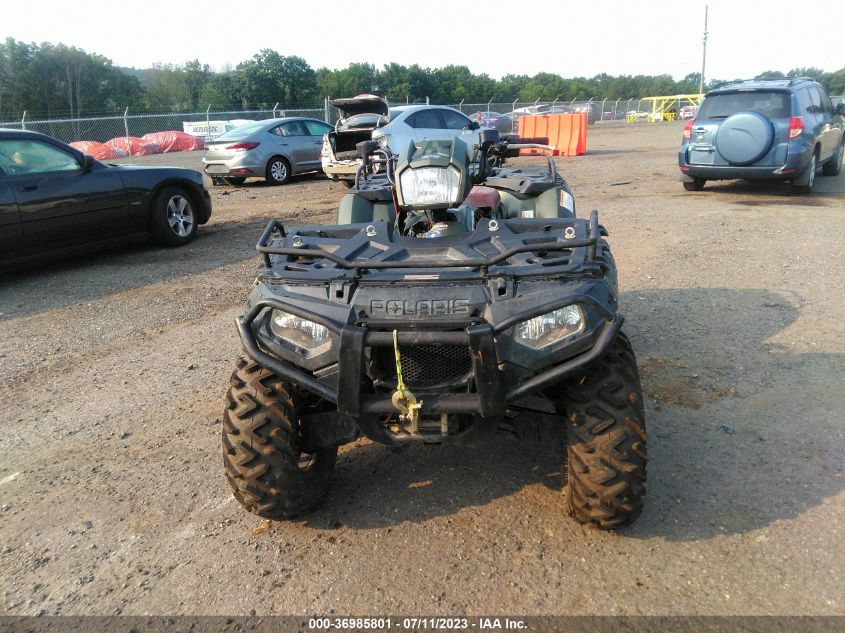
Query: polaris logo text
(425,307)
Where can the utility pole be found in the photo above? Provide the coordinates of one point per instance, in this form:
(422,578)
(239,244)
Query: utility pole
(704,54)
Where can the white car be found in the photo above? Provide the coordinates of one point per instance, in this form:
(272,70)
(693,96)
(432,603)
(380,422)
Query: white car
(688,112)
(415,122)
(406,124)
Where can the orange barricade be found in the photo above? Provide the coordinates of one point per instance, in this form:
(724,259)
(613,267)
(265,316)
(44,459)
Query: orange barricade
(567,133)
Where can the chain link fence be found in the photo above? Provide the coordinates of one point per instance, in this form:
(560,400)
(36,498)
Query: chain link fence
(104,128)
(597,110)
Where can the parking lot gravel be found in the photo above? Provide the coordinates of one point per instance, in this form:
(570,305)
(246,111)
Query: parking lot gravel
(113,369)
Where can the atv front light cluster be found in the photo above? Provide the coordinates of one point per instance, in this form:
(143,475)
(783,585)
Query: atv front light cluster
(543,330)
(430,185)
(301,332)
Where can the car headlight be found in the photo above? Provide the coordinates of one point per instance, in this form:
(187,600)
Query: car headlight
(301,332)
(430,185)
(543,330)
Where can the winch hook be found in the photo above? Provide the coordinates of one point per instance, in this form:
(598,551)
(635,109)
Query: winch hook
(402,399)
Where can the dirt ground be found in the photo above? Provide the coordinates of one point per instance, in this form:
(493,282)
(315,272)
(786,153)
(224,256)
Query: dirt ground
(113,369)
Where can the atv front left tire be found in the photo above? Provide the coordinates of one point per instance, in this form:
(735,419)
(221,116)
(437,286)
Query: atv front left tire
(606,440)
(269,473)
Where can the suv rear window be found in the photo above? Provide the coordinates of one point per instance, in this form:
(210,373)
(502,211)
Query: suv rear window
(773,104)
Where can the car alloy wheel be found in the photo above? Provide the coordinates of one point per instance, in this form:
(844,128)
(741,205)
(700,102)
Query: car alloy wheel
(279,171)
(180,215)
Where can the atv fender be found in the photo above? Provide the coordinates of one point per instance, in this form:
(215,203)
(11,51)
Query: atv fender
(356,208)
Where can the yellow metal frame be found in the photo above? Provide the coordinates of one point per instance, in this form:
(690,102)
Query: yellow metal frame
(666,108)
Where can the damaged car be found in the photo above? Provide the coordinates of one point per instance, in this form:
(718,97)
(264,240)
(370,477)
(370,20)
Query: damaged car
(358,117)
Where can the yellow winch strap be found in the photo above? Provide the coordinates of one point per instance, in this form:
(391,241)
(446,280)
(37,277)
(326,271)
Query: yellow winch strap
(400,384)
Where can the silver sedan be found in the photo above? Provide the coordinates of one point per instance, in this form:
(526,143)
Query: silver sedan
(274,149)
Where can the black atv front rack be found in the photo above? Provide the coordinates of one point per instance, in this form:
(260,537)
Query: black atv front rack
(301,250)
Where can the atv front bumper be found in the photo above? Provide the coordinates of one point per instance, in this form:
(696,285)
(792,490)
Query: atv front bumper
(492,393)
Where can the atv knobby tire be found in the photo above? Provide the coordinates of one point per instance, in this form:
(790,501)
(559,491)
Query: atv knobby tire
(264,464)
(606,447)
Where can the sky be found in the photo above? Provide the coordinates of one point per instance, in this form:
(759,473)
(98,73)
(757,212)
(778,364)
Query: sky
(495,37)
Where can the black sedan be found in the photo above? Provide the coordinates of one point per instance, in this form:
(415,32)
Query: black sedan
(56,200)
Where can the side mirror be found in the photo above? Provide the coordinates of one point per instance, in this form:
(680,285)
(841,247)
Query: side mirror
(88,162)
(840,108)
(365,150)
(489,137)
(474,125)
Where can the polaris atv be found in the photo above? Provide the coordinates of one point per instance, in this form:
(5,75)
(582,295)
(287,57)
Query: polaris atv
(451,298)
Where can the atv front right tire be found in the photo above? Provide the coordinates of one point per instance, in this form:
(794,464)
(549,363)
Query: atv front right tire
(270,475)
(606,446)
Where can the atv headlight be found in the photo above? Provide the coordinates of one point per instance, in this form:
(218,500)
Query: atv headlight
(301,332)
(430,185)
(551,327)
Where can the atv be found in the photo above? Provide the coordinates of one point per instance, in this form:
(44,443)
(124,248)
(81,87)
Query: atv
(451,298)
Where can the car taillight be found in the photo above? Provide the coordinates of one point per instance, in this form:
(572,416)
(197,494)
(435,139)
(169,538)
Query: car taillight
(688,129)
(796,127)
(243,146)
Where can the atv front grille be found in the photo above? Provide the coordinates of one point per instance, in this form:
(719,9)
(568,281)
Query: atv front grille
(423,365)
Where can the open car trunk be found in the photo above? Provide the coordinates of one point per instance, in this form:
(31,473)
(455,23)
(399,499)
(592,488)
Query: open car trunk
(359,116)
(362,104)
(343,143)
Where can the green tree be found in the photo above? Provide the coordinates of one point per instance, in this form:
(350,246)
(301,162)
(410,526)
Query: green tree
(452,84)
(689,84)
(58,79)
(394,82)
(16,94)
(353,80)
(197,77)
(834,82)
(166,88)
(224,90)
(809,71)
(269,78)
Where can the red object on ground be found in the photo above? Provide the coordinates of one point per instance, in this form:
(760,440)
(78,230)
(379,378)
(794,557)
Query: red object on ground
(135,146)
(173,141)
(100,151)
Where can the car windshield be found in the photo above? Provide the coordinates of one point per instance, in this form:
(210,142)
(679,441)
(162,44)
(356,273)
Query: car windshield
(242,132)
(772,104)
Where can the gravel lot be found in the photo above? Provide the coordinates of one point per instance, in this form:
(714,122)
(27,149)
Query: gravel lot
(113,369)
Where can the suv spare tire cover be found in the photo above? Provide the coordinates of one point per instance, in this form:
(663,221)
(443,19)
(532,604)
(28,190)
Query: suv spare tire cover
(744,137)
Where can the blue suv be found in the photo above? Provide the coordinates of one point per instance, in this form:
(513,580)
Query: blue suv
(764,129)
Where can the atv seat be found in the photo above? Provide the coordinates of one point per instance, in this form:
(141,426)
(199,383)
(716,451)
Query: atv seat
(522,182)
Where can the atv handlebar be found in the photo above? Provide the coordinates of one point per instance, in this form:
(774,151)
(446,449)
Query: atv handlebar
(369,151)
(549,148)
